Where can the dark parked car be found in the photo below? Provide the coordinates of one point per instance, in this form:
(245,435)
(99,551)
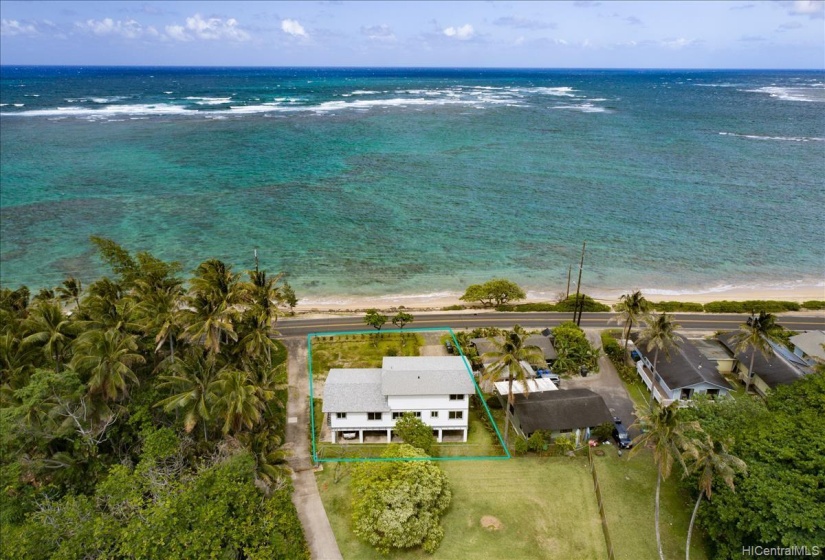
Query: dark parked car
(635,355)
(449,346)
(620,434)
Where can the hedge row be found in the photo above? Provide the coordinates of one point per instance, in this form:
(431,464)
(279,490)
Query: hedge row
(566,305)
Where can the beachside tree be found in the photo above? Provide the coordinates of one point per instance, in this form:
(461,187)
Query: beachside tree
(213,293)
(507,356)
(158,313)
(289,297)
(108,359)
(70,290)
(191,381)
(668,435)
(753,336)
(50,330)
(398,504)
(494,292)
(375,319)
(402,318)
(711,460)
(238,400)
(632,308)
(660,333)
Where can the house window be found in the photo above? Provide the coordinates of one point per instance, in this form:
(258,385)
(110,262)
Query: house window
(713,392)
(568,431)
(397,415)
(456,414)
(417,414)
(341,415)
(434,414)
(456,397)
(374,416)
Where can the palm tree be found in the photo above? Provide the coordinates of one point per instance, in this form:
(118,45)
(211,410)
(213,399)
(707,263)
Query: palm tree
(508,355)
(108,358)
(632,308)
(667,434)
(753,336)
(238,400)
(50,329)
(212,294)
(711,460)
(660,333)
(192,380)
(70,290)
(158,313)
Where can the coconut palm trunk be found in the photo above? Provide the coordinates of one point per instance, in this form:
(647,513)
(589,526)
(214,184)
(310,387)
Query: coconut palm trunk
(656,517)
(511,400)
(750,373)
(692,521)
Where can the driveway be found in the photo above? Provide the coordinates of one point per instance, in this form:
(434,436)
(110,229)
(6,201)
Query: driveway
(307,500)
(606,383)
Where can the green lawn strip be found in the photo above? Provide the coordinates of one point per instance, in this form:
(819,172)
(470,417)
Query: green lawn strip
(628,488)
(546,506)
(360,350)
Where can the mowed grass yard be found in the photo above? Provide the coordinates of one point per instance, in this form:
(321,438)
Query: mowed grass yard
(547,508)
(628,488)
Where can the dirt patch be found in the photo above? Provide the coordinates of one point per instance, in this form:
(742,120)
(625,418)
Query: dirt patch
(491,523)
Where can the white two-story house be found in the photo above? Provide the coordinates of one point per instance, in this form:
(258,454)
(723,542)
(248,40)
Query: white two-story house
(359,402)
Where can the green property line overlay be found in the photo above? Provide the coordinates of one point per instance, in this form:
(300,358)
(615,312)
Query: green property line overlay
(456,345)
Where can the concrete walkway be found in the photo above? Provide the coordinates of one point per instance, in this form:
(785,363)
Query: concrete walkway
(307,500)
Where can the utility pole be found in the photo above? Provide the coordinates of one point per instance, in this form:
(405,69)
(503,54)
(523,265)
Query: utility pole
(256,260)
(578,289)
(569,270)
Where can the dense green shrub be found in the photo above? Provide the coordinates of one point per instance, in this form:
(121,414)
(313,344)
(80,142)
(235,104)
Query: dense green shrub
(527,307)
(398,504)
(602,432)
(673,306)
(590,304)
(612,348)
(539,441)
(749,306)
(453,308)
(493,402)
(520,447)
(415,432)
(814,304)
(573,350)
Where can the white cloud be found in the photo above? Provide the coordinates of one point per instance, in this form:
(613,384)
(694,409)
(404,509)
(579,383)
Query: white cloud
(378,33)
(679,43)
(814,9)
(523,23)
(12,27)
(788,26)
(292,27)
(129,29)
(211,29)
(463,33)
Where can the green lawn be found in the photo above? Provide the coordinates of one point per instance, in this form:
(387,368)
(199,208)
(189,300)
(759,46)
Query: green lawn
(360,350)
(628,488)
(546,506)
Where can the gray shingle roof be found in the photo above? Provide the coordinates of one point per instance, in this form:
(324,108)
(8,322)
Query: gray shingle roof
(544,343)
(773,371)
(561,410)
(354,390)
(810,343)
(687,365)
(430,375)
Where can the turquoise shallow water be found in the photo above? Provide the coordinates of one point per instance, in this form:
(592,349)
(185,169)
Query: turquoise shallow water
(372,182)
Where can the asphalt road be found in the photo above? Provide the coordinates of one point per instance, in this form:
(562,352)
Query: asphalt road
(697,321)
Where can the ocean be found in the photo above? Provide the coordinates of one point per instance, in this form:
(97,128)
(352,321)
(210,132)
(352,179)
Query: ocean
(375,182)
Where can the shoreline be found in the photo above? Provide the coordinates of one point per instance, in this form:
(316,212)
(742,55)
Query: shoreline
(438,300)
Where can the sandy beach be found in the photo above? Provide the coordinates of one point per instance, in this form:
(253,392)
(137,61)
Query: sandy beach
(437,301)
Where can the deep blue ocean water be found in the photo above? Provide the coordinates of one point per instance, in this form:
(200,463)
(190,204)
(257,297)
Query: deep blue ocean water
(419,181)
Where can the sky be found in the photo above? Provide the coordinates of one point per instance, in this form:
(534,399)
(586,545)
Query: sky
(773,34)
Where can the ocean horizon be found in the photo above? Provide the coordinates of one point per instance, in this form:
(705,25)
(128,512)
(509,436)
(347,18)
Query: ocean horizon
(371,182)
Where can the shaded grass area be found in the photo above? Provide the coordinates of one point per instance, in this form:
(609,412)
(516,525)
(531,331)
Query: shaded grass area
(547,509)
(628,488)
(360,350)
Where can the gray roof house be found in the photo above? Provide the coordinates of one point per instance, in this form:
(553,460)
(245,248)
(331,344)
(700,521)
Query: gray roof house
(810,346)
(681,375)
(571,410)
(767,372)
(433,388)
